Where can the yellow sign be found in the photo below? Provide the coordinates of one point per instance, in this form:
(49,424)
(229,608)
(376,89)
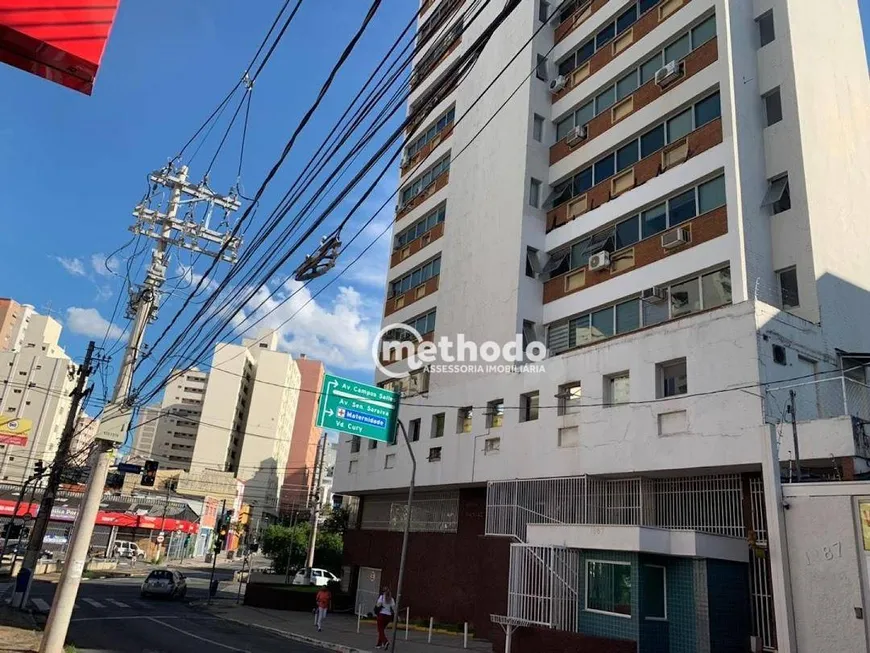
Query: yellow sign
(15,431)
(864,511)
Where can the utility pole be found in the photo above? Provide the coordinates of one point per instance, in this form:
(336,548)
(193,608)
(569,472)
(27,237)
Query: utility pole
(216,549)
(794,434)
(166,229)
(315,509)
(40,524)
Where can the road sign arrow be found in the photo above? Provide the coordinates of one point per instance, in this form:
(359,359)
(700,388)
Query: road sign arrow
(329,412)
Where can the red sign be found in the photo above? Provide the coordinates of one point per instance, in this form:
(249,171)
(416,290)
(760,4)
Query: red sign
(60,40)
(120,519)
(13,439)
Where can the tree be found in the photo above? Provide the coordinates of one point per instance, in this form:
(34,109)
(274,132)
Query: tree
(288,545)
(336,520)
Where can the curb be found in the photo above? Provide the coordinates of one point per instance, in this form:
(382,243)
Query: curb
(303,639)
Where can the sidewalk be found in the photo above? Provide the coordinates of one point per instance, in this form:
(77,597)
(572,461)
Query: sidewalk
(339,631)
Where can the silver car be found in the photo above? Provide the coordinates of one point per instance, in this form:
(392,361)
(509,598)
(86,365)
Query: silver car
(166,583)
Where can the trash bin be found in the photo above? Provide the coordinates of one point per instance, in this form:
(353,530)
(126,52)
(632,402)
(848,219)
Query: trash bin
(213,588)
(231,555)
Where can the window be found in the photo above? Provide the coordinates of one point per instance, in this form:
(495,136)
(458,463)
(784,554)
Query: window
(678,49)
(416,277)
(491,445)
(568,436)
(543,11)
(541,68)
(716,288)
(569,398)
(650,67)
(654,592)
(627,85)
(778,196)
(390,461)
(351,467)
(766,30)
(628,316)
(788,288)
(707,110)
(530,335)
(533,267)
(434,454)
(437,429)
(538,128)
(772,107)
(672,379)
(711,195)
(444,120)
(682,207)
(495,413)
(608,587)
(529,404)
(679,126)
(425,180)
(685,298)
(779,355)
(617,388)
(373,444)
(463,420)
(535,193)
(414,430)
(416,230)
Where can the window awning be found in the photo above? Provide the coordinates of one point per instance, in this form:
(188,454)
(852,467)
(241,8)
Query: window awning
(775,191)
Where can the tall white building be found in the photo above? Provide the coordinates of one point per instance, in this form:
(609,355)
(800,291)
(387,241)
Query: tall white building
(145,433)
(673,201)
(248,412)
(35,385)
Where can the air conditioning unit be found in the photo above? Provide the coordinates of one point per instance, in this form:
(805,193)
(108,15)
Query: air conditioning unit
(599,260)
(654,295)
(558,83)
(577,135)
(668,73)
(675,238)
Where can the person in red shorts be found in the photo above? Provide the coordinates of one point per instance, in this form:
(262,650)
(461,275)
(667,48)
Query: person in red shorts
(385,610)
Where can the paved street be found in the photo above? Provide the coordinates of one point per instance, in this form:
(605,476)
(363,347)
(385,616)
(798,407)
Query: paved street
(111,616)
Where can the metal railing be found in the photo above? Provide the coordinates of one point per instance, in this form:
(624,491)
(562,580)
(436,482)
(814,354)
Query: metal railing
(819,398)
(543,586)
(431,512)
(712,504)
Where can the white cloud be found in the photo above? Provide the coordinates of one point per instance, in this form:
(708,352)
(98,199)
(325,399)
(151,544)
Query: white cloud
(72,265)
(99,262)
(338,332)
(89,322)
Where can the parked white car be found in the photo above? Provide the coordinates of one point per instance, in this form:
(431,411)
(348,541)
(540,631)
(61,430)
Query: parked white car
(124,549)
(319,577)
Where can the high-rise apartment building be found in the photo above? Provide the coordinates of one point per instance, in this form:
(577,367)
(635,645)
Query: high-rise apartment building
(35,384)
(145,433)
(14,320)
(246,424)
(300,475)
(176,428)
(673,202)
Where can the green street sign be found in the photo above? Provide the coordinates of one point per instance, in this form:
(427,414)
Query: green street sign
(366,411)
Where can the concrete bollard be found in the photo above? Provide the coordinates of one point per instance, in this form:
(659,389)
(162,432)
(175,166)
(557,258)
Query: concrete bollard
(407,621)
(359,617)
(465,635)
(431,623)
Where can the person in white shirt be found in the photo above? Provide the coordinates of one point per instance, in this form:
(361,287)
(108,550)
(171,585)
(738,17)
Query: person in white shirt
(385,610)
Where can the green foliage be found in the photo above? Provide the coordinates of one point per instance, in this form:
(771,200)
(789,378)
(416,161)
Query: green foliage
(336,520)
(287,545)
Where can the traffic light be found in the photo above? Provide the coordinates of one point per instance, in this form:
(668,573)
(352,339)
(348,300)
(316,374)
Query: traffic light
(149,473)
(223,530)
(38,468)
(245,515)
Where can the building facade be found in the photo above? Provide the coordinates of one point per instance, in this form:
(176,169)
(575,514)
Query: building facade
(299,477)
(179,419)
(35,385)
(145,433)
(667,193)
(14,320)
(246,425)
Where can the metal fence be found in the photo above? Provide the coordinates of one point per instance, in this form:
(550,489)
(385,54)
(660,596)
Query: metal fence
(543,586)
(818,398)
(431,512)
(712,504)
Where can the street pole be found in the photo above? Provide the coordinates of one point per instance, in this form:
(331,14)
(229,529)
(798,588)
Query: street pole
(405,535)
(315,509)
(216,548)
(163,526)
(162,228)
(794,435)
(40,524)
(11,522)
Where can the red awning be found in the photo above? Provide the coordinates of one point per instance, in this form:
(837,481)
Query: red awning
(120,519)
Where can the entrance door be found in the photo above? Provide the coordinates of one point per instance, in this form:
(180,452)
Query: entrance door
(368,588)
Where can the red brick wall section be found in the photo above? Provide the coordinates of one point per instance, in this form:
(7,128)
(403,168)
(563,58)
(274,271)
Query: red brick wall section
(454,577)
(545,640)
(417,244)
(645,24)
(440,182)
(696,61)
(700,140)
(410,298)
(703,228)
(569,25)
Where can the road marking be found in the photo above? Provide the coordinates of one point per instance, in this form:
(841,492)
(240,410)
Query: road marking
(118,603)
(93,603)
(202,639)
(41,604)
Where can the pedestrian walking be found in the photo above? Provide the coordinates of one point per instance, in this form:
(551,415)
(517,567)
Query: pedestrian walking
(324,603)
(385,610)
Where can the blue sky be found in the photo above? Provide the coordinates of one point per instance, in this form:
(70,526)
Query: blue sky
(72,167)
